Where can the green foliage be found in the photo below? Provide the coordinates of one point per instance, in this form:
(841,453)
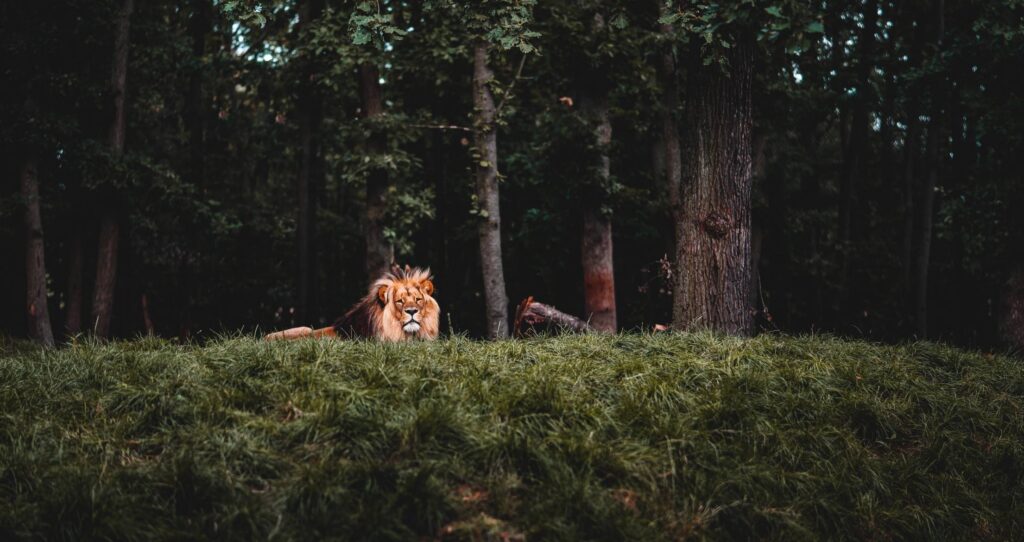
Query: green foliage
(716,26)
(368,23)
(505,23)
(579,437)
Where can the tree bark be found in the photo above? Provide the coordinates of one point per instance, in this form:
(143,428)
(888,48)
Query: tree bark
(486,143)
(310,171)
(106,259)
(35,261)
(596,243)
(713,249)
(379,252)
(531,314)
(1011,317)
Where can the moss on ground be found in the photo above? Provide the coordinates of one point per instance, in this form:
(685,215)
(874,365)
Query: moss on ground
(634,437)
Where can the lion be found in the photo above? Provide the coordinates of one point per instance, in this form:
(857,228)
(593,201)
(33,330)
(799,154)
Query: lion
(398,307)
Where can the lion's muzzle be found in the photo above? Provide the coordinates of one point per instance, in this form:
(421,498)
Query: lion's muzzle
(411,324)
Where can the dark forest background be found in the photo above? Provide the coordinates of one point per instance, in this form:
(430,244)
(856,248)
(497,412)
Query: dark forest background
(274,154)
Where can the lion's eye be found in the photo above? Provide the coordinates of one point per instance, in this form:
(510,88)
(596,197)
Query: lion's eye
(399,302)
(419,300)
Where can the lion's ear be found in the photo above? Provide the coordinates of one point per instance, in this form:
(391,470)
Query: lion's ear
(428,287)
(382,294)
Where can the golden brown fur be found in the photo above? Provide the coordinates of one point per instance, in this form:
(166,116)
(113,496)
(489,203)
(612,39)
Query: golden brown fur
(398,307)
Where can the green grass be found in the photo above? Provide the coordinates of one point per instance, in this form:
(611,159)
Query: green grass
(635,437)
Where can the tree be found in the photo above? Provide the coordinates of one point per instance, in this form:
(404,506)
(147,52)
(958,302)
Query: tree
(498,25)
(485,141)
(596,242)
(713,251)
(379,252)
(311,168)
(110,226)
(35,261)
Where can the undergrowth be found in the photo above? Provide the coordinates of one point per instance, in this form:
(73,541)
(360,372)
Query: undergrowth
(629,437)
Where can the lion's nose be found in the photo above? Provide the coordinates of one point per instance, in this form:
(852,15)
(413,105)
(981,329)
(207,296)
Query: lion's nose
(411,312)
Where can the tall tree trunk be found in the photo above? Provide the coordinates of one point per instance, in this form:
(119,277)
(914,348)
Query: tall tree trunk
(713,251)
(35,262)
(110,228)
(856,150)
(935,160)
(596,244)
(485,137)
(669,138)
(379,252)
(310,170)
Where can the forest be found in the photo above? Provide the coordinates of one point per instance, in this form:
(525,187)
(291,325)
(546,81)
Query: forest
(182,169)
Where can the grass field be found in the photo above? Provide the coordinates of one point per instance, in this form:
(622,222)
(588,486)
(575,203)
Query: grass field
(632,437)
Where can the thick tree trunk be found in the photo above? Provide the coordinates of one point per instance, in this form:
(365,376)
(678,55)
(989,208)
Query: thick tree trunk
(35,262)
(713,251)
(109,235)
(379,252)
(669,138)
(596,243)
(310,172)
(486,143)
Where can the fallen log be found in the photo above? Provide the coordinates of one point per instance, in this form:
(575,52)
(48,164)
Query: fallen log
(533,316)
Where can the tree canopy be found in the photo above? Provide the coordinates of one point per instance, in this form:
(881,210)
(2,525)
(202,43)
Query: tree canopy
(885,158)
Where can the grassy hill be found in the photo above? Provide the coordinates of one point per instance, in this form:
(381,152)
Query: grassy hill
(580,437)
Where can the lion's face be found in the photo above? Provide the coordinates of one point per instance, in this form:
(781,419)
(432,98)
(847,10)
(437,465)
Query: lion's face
(409,309)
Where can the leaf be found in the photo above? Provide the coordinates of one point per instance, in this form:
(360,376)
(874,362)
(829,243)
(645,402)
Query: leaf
(774,11)
(619,21)
(671,18)
(815,27)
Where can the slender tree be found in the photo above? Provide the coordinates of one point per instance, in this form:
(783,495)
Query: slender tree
(485,140)
(596,243)
(35,262)
(311,169)
(110,224)
(379,252)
